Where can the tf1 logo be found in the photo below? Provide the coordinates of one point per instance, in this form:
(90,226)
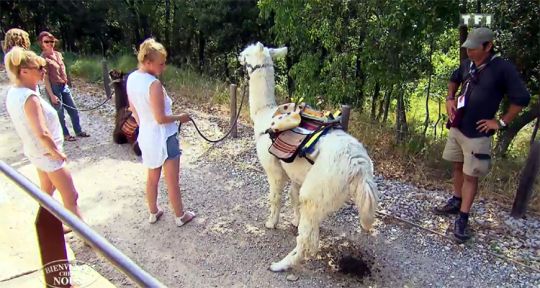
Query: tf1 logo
(483,20)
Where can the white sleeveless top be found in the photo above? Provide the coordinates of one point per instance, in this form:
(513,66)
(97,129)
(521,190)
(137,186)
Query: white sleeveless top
(33,149)
(152,135)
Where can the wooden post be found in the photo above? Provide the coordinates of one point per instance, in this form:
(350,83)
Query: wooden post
(106,79)
(526,182)
(53,249)
(345,114)
(234,132)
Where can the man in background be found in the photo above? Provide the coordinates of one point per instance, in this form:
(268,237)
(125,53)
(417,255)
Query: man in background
(485,79)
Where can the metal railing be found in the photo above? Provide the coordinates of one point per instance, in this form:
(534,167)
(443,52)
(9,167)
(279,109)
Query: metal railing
(50,234)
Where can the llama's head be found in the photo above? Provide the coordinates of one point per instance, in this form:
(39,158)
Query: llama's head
(257,56)
(116,74)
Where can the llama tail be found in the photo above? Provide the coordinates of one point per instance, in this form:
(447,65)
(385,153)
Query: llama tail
(366,199)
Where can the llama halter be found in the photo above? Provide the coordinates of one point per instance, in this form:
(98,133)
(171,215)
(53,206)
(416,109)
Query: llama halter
(253,68)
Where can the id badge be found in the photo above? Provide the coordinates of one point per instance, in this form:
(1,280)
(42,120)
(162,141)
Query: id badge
(461,101)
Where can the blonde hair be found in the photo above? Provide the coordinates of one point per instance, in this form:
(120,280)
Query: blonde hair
(16,37)
(18,58)
(149,49)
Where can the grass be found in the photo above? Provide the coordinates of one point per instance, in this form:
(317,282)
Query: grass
(418,160)
(88,69)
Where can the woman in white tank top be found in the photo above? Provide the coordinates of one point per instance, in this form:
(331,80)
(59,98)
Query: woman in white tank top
(151,107)
(36,123)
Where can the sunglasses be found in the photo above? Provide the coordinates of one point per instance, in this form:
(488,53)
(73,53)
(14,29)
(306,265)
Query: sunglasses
(49,41)
(40,68)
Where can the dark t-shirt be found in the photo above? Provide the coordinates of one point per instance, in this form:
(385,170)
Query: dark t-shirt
(497,79)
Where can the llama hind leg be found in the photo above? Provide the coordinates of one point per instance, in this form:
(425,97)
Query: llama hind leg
(293,194)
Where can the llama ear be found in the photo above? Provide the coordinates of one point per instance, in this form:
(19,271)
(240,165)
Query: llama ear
(260,46)
(278,52)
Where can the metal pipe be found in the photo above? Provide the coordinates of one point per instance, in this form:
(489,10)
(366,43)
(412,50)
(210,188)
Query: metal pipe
(115,256)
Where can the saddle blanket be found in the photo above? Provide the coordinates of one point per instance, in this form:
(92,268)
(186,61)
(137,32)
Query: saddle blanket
(295,130)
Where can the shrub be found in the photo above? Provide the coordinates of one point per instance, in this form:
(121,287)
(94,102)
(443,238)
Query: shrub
(89,69)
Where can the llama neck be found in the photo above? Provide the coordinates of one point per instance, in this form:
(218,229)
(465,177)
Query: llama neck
(261,92)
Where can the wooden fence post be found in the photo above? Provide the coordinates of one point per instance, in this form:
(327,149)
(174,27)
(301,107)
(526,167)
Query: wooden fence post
(52,247)
(234,132)
(345,114)
(106,79)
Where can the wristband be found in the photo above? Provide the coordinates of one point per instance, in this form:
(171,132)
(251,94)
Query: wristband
(450,97)
(502,125)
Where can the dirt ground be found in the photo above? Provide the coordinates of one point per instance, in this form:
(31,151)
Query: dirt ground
(227,245)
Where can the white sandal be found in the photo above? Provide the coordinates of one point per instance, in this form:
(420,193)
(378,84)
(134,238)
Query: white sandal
(155,217)
(181,221)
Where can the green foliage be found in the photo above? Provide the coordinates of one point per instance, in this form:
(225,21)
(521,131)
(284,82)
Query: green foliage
(87,68)
(125,63)
(339,51)
(343,45)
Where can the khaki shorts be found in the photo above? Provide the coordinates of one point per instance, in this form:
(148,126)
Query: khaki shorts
(460,148)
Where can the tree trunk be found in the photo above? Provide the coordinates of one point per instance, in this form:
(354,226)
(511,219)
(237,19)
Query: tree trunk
(360,75)
(401,119)
(135,21)
(376,92)
(226,71)
(388,90)
(506,136)
(175,26)
(387,99)
(39,19)
(167,23)
(145,26)
(360,79)
(426,122)
(438,118)
(202,44)
(290,81)
(104,46)
(463,33)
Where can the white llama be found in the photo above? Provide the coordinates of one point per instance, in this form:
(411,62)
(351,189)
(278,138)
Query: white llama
(342,167)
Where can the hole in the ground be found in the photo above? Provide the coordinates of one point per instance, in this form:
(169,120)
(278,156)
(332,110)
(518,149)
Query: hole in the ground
(354,266)
(346,257)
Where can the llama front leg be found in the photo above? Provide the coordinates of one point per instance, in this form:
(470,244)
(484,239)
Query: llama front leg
(307,243)
(317,199)
(293,194)
(276,182)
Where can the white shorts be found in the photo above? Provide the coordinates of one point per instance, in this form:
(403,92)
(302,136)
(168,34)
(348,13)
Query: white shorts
(47,164)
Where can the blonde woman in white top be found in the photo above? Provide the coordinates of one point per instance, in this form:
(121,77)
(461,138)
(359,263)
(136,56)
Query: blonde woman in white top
(36,123)
(158,132)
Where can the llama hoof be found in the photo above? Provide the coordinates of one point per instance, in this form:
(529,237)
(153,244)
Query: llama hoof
(278,267)
(270,224)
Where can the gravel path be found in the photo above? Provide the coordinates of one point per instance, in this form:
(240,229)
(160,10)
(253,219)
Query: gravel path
(228,246)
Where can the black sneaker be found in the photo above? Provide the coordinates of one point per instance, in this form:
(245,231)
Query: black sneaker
(461,231)
(451,207)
